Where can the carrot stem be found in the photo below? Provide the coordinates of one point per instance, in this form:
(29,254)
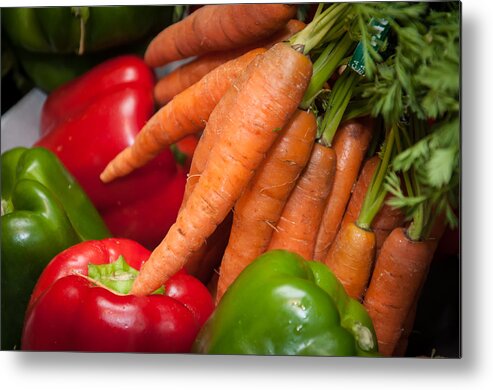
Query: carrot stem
(338,101)
(357,109)
(422,216)
(422,213)
(324,67)
(315,32)
(319,10)
(376,193)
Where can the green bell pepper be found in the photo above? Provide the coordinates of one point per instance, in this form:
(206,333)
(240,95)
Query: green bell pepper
(44,211)
(50,71)
(82,29)
(282,304)
(53,45)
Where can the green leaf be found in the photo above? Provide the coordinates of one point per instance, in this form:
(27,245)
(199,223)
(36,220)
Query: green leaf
(440,166)
(404,160)
(407,202)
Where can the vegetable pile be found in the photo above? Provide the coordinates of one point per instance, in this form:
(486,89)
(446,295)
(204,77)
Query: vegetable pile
(325,174)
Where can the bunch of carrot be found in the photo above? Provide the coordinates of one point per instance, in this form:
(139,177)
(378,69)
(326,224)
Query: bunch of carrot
(279,164)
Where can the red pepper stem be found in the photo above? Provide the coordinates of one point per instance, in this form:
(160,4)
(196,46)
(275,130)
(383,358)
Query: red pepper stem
(98,283)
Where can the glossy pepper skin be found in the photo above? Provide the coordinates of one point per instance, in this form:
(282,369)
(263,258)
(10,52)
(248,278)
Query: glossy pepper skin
(44,211)
(282,304)
(56,44)
(69,312)
(48,71)
(81,29)
(88,121)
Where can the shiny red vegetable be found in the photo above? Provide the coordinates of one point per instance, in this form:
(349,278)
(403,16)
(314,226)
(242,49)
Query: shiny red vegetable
(71,311)
(89,121)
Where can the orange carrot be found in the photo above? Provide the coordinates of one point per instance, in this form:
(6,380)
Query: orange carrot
(351,257)
(261,204)
(436,233)
(297,228)
(350,143)
(217,28)
(181,78)
(186,114)
(184,76)
(360,189)
(387,218)
(401,346)
(202,152)
(210,134)
(352,252)
(399,272)
(265,104)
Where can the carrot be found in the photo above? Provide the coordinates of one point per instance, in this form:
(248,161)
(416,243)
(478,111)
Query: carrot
(298,225)
(217,28)
(352,253)
(351,256)
(203,149)
(184,76)
(387,218)
(350,143)
(265,104)
(210,134)
(186,114)
(401,346)
(359,191)
(181,78)
(399,272)
(436,233)
(404,260)
(261,204)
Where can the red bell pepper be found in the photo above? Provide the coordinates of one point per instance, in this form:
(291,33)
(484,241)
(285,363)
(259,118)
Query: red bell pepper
(81,303)
(88,121)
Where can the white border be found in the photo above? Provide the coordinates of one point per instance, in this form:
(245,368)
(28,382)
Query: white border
(473,371)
